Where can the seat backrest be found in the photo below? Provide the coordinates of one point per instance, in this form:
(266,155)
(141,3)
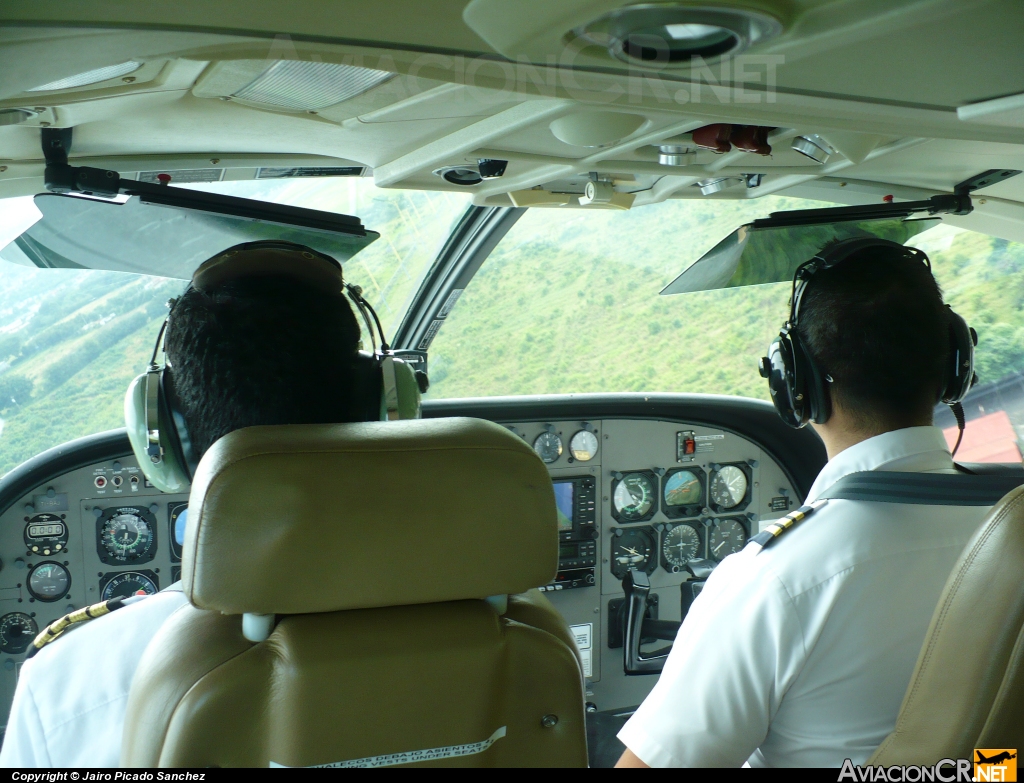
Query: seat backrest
(967,690)
(397,559)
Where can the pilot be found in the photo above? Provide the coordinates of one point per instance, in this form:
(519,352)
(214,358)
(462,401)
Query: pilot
(798,651)
(268,347)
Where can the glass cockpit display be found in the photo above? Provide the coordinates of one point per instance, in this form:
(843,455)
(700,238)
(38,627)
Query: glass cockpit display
(178,517)
(126,534)
(634,497)
(564,491)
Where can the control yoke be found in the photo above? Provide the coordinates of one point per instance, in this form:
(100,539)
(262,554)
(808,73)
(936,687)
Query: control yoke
(639,628)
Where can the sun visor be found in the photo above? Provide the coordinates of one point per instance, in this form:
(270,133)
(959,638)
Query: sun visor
(756,255)
(168,240)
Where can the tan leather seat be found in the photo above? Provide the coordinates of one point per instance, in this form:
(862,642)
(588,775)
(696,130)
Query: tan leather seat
(375,546)
(967,690)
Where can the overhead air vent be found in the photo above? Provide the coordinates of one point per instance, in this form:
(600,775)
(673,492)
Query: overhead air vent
(659,35)
(89,77)
(309,86)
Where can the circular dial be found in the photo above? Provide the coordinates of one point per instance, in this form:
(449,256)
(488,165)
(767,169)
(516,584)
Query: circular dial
(633,497)
(17,630)
(49,581)
(583,445)
(680,545)
(549,446)
(728,486)
(128,584)
(633,549)
(126,535)
(726,538)
(683,488)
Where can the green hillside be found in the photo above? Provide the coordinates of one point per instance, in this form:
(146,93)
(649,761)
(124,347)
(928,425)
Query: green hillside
(567,303)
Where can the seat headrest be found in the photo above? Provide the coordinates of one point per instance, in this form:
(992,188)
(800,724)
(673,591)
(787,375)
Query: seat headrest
(325,517)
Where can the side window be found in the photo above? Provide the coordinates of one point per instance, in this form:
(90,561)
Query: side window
(982,278)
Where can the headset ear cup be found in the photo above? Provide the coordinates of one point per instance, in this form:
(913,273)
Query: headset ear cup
(812,384)
(166,474)
(960,366)
(777,367)
(177,437)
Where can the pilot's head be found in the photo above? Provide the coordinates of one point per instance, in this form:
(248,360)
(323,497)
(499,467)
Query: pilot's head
(876,323)
(262,349)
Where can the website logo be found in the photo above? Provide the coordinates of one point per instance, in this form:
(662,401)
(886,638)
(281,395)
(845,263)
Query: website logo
(995,764)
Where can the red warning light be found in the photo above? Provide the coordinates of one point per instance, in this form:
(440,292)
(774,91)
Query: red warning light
(164,178)
(887,199)
(689,446)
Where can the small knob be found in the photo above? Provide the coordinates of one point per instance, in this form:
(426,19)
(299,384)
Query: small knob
(752,463)
(9,664)
(783,491)
(19,563)
(659,471)
(153,508)
(549,427)
(117,466)
(51,492)
(616,475)
(29,508)
(97,512)
(549,721)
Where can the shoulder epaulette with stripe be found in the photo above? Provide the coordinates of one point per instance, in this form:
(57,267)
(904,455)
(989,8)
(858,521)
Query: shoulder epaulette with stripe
(780,526)
(56,629)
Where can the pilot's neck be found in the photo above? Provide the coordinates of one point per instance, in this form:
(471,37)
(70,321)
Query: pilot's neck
(843,430)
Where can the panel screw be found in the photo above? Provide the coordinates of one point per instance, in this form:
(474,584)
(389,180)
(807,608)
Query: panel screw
(549,721)
(128,79)
(3,168)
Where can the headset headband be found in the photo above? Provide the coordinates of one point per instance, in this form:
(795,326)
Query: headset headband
(270,258)
(833,255)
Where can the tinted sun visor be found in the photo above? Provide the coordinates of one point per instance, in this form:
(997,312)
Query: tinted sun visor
(141,236)
(755,255)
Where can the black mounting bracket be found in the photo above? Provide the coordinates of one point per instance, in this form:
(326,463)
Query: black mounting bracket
(983,180)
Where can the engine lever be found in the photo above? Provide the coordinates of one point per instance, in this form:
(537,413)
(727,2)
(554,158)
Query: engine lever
(637,587)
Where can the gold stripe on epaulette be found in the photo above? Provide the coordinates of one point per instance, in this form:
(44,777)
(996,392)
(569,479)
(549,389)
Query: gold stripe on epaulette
(56,629)
(779,526)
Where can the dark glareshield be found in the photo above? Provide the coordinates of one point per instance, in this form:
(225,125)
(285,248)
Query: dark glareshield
(170,241)
(757,255)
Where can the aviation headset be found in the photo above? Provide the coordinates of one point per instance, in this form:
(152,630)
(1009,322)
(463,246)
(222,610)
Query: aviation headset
(799,388)
(156,425)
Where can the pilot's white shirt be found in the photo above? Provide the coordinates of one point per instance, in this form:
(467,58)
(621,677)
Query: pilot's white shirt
(799,655)
(70,702)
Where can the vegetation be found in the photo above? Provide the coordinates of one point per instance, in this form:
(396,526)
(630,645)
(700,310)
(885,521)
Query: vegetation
(568,302)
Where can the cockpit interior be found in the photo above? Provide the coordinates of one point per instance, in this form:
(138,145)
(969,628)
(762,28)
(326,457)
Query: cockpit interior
(575,228)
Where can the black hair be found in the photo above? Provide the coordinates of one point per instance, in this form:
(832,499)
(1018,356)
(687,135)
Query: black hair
(876,323)
(262,350)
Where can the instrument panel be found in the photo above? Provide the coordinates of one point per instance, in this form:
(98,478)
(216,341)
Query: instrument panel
(95,533)
(660,496)
(656,495)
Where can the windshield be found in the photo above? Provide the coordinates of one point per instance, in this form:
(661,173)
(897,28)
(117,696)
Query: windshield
(70,341)
(568,302)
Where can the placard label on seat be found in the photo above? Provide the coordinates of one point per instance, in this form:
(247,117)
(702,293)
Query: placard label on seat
(412,756)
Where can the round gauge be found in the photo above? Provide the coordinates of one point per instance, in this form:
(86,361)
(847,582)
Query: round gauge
(126,535)
(633,497)
(49,581)
(727,537)
(683,488)
(549,446)
(127,584)
(728,486)
(17,630)
(583,445)
(679,546)
(633,549)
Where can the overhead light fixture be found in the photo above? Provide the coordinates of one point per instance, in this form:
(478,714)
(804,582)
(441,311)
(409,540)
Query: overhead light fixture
(674,155)
(813,146)
(718,184)
(309,86)
(90,77)
(465,175)
(659,35)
